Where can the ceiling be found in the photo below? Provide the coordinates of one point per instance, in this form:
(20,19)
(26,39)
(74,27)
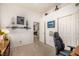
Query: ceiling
(38,7)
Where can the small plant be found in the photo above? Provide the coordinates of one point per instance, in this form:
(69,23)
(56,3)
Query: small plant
(1,32)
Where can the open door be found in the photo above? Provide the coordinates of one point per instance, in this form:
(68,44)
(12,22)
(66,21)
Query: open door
(36,31)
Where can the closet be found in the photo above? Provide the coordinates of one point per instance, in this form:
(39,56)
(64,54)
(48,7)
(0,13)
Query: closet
(68,28)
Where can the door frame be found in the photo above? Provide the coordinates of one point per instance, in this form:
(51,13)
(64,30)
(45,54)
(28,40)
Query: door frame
(33,30)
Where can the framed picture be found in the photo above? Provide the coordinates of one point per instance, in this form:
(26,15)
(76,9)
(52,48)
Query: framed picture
(50,33)
(51,24)
(20,20)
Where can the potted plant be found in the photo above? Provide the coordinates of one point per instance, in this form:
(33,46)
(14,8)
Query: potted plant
(3,34)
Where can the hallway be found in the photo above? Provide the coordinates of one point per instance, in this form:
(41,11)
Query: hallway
(34,49)
(30,28)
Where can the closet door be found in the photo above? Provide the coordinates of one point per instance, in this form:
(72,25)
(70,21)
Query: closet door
(76,28)
(68,29)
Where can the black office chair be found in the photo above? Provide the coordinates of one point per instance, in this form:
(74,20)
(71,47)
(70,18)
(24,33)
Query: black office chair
(60,51)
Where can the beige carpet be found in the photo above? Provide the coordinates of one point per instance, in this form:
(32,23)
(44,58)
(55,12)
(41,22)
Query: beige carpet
(34,49)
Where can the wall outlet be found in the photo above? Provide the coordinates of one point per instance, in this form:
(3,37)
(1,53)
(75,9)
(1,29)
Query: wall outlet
(20,42)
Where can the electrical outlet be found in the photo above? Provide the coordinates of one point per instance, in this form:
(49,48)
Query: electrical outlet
(20,42)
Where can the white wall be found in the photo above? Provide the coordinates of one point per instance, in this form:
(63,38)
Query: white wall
(18,37)
(67,10)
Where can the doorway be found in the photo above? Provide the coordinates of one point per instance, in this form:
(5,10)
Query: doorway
(36,31)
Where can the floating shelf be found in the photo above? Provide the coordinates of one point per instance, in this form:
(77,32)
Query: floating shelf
(16,27)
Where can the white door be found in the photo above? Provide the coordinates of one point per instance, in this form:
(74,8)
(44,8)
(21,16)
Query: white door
(68,29)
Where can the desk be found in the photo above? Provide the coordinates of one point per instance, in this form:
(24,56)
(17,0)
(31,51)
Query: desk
(5,48)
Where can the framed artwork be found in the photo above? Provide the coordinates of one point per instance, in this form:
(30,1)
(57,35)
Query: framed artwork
(51,24)
(20,20)
(51,33)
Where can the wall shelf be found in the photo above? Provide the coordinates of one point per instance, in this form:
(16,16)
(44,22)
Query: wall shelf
(16,27)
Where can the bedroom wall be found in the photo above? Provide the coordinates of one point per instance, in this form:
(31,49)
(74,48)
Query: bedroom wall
(64,11)
(18,37)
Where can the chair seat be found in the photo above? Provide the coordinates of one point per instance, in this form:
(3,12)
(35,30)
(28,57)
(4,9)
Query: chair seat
(65,53)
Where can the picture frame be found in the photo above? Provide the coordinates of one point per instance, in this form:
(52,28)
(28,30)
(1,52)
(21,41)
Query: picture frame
(51,33)
(20,20)
(51,24)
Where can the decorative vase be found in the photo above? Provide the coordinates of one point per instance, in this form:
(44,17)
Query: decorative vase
(1,37)
(2,40)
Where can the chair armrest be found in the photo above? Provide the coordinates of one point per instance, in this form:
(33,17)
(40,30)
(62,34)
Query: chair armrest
(71,47)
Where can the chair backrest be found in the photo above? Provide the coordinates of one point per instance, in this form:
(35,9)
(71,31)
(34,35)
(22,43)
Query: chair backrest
(58,42)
